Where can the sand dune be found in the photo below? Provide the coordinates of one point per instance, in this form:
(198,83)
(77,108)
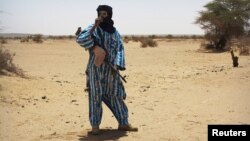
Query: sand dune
(173,91)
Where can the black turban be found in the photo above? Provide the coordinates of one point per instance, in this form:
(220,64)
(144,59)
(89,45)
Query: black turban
(106,8)
(107,24)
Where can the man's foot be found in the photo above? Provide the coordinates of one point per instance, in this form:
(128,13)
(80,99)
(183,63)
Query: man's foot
(95,130)
(128,127)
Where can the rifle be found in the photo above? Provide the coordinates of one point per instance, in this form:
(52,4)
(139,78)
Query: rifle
(106,60)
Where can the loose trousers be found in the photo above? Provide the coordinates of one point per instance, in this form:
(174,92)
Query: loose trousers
(105,86)
(114,103)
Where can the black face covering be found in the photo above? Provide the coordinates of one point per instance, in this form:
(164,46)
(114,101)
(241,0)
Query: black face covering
(107,24)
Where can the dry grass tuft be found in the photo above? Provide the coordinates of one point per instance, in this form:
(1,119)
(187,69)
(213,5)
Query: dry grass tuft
(146,41)
(7,65)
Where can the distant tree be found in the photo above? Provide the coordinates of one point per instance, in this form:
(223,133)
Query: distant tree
(224,19)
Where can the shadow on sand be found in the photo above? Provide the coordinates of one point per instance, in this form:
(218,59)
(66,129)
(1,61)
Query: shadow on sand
(106,134)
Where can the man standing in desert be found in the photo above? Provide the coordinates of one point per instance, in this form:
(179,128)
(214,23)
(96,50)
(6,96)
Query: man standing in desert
(105,47)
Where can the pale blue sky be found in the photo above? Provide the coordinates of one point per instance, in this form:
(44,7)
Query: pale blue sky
(62,17)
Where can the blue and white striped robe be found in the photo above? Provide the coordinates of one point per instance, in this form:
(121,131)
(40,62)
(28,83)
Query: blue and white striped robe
(103,84)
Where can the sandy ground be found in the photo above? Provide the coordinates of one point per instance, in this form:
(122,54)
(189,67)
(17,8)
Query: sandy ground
(173,91)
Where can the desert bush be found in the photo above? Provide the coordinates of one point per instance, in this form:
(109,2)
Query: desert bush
(126,39)
(153,36)
(135,38)
(184,37)
(24,40)
(194,37)
(37,38)
(60,37)
(146,41)
(6,63)
(169,36)
(17,38)
(3,41)
(70,37)
(51,37)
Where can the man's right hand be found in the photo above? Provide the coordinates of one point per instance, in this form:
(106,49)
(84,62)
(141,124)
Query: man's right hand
(99,55)
(98,20)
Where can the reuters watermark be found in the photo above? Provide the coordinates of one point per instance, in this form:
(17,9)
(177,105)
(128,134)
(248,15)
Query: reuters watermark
(235,132)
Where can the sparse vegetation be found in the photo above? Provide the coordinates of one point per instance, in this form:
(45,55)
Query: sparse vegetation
(62,37)
(6,63)
(23,40)
(151,40)
(169,36)
(3,41)
(37,38)
(147,41)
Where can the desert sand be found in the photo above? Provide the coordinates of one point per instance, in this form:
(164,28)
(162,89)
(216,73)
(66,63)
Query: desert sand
(173,93)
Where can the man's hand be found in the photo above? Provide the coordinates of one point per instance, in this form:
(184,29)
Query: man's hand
(97,23)
(99,55)
(98,20)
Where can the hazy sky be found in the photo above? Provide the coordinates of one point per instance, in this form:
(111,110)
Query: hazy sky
(62,17)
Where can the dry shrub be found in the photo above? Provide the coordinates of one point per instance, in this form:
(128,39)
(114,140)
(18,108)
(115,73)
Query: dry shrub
(153,36)
(135,38)
(169,36)
(37,38)
(61,37)
(17,38)
(23,40)
(146,41)
(7,65)
(70,37)
(4,41)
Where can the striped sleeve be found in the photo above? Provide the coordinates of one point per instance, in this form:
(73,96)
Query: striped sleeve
(85,38)
(120,57)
